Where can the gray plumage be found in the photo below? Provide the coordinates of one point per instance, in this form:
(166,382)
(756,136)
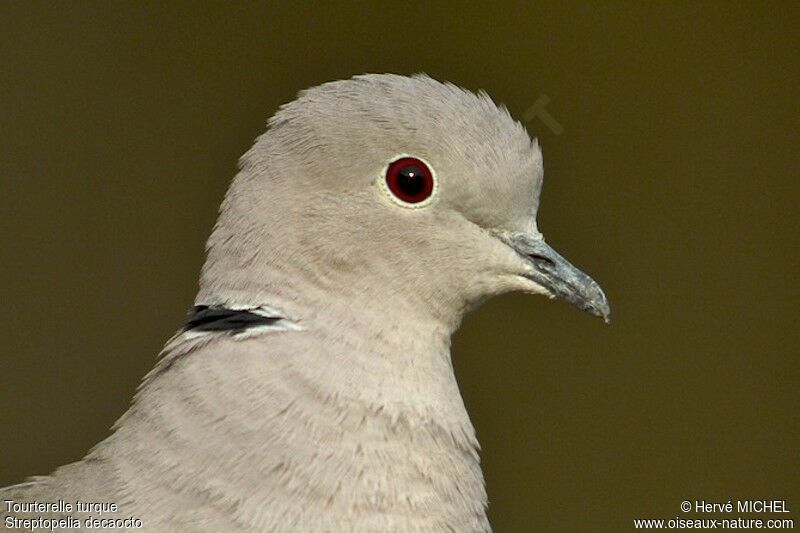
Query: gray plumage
(327,401)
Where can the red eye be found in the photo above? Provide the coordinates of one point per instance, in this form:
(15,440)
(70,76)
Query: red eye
(410,180)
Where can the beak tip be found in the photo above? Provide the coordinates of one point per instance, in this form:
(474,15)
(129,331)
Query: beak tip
(604,309)
(598,304)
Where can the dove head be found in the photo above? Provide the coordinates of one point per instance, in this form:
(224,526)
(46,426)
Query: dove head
(390,193)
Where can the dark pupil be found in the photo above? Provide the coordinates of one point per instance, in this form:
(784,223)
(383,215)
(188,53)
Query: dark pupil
(411,180)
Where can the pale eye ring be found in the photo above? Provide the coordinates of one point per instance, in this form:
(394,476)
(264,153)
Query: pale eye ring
(410,181)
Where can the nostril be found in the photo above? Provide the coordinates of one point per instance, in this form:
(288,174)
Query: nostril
(536,258)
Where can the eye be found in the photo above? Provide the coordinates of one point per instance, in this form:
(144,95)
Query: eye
(410,181)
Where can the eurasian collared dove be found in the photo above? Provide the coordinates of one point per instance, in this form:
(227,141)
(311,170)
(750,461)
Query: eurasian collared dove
(311,388)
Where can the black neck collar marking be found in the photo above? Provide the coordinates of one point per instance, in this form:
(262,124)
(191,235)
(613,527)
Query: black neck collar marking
(221,319)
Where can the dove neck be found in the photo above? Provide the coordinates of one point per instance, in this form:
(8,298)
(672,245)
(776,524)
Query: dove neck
(357,410)
(349,300)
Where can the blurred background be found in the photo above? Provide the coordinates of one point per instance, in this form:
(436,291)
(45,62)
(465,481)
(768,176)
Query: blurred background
(670,137)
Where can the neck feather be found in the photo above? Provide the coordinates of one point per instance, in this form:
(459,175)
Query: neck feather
(361,422)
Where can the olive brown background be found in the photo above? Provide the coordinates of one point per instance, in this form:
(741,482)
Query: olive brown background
(672,177)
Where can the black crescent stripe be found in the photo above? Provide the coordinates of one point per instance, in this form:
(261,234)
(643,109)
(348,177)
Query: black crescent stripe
(222,319)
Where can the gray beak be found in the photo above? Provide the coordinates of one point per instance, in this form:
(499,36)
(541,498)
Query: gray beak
(558,276)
